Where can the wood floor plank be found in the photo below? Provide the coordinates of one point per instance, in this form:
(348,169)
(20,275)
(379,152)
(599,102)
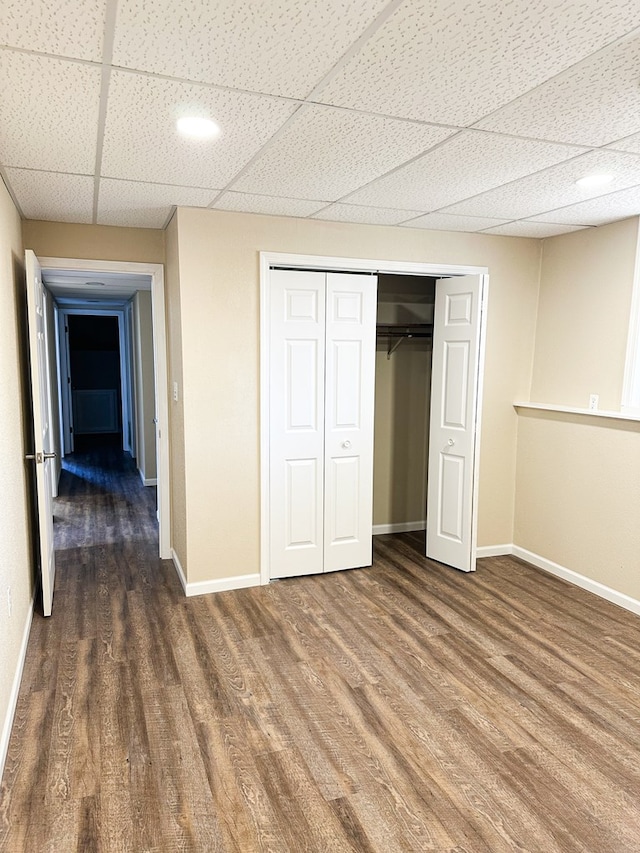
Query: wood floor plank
(114,698)
(306,820)
(400,708)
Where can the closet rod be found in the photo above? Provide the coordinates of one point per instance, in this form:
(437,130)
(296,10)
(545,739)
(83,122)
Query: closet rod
(402,333)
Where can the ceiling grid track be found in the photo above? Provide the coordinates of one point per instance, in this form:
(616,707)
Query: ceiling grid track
(107,55)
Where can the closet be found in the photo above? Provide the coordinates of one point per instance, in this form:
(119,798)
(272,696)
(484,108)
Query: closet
(340,352)
(404,332)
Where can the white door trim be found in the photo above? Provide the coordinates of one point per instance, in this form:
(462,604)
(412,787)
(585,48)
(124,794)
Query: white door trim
(630,402)
(337,264)
(156,272)
(64,375)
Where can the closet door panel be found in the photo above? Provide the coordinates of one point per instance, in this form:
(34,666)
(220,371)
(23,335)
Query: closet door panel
(296,463)
(350,386)
(454,395)
(342,501)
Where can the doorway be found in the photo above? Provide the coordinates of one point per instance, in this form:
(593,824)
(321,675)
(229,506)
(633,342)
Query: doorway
(457,373)
(96,377)
(404,350)
(98,283)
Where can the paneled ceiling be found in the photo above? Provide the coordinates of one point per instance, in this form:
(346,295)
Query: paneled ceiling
(440,114)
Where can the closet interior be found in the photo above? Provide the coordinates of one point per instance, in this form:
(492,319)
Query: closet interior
(404,330)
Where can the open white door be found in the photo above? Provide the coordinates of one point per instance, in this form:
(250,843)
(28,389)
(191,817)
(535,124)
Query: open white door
(43,451)
(349,408)
(452,433)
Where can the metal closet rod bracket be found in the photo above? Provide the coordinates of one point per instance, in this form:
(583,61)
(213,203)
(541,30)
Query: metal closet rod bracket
(394,346)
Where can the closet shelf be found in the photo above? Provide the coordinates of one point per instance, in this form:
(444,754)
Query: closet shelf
(396,333)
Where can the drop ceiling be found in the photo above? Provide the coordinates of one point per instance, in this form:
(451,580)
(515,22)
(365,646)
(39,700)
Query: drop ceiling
(438,114)
(81,289)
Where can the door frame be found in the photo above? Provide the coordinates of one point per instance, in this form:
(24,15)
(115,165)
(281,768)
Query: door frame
(324,263)
(156,273)
(64,379)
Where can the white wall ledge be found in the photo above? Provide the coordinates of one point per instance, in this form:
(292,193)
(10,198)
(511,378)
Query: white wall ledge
(571,410)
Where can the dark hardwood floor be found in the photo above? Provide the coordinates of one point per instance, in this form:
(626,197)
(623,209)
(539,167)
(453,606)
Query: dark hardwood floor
(406,707)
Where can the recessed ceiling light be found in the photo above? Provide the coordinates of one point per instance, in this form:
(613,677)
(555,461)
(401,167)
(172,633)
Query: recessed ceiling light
(198,127)
(591,182)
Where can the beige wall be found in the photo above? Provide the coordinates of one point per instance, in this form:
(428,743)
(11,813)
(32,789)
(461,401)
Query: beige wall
(219,304)
(144,383)
(578,478)
(586,282)
(403,384)
(176,408)
(578,496)
(15,441)
(93,242)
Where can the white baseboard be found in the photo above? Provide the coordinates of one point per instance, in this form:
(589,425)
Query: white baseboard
(179,570)
(619,598)
(151,481)
(494,550)
(399,527)
(575,578)
(15,689)
(221,585)
(237,582)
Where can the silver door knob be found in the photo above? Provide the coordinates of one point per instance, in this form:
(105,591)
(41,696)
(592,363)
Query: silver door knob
(40,457)
(346,444)
(451,442)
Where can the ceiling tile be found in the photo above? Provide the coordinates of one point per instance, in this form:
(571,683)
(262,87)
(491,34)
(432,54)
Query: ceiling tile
(71,28)
(591,104)
(52,195)
(365,215)
(469,163)
(48,113)
(326,153)
(279,47)
(525,228)
(141,141)
(597,211)
(448,222)
(630,144)
(145,205)
(452,61)
(247,203)
(553,187)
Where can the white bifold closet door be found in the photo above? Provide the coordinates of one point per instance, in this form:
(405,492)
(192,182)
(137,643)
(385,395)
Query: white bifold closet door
(322,383)
(452,431)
